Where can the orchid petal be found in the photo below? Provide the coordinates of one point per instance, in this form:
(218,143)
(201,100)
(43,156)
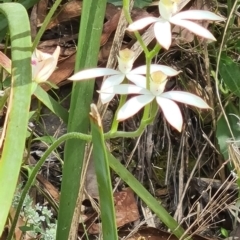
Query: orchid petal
(113,80)
(138,80)
(139,70)
(93,73)
(197,15)
(125,89)
(125,60)
(170,72)
(41,56)
(167,8)
(163,34)
(157,88)
(43,64)
(171,112)
(194,27)
(56,53)
(154,68)
(105,98)
(109,82)
(133,105)
(36,67)
(185,97)
(141,23)
(45,70)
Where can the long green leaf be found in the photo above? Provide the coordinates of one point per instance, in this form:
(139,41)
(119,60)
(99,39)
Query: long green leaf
(107,212)
(51,104)
(13,148)
(3,26)
(230,72)
(151,202)
(93,12)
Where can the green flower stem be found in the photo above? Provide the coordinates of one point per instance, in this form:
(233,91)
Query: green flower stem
(129,19)
(154,51)
(136,133)
(35,171)
(154,109)
(45,23)
(148,63)
(115,122)
(149,56)
(147,107)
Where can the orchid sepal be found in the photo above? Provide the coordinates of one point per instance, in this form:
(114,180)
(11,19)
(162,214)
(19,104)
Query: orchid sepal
(43,64)
(92,73)
(168,12)
(186,98)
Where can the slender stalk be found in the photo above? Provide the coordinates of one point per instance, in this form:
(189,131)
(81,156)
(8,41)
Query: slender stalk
(129,19)
(45,23)
(15,127)
(34,173)
(115,122)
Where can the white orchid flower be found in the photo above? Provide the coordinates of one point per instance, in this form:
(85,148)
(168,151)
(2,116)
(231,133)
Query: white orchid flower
(43,65)
(115,77)
(168,12)
(165,100)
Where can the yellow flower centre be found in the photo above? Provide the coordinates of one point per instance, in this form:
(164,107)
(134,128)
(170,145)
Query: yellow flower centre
(126,55)
(125,60)
(158,77)
(170,3)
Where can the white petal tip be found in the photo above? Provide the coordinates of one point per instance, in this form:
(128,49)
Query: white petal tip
(179,129)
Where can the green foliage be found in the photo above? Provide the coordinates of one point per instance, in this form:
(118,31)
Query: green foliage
(223,133)
(3,26)
(92,17)
(51,104)
(101,163)
(224,232)
(46,139)
(151,202)
(137,3)
(35,216)
(18,110)
(230,72)
(78,123)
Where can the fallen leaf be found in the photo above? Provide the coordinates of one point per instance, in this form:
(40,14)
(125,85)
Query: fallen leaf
(150,233)
(126,212)
(69,10)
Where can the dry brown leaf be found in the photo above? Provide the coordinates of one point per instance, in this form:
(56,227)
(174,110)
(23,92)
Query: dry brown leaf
(48,187)
(126,212)
(69,10)
(42,8)
(5,62)
(150,233)
(183,36)
(195,88)
(18,233)
(109,27)
(126,207)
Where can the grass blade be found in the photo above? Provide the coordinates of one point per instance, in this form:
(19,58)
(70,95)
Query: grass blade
(19,104)
(93,13)
(151,202)
(108,218)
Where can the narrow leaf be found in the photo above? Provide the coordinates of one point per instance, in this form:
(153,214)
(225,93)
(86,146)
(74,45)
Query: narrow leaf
(100,157)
